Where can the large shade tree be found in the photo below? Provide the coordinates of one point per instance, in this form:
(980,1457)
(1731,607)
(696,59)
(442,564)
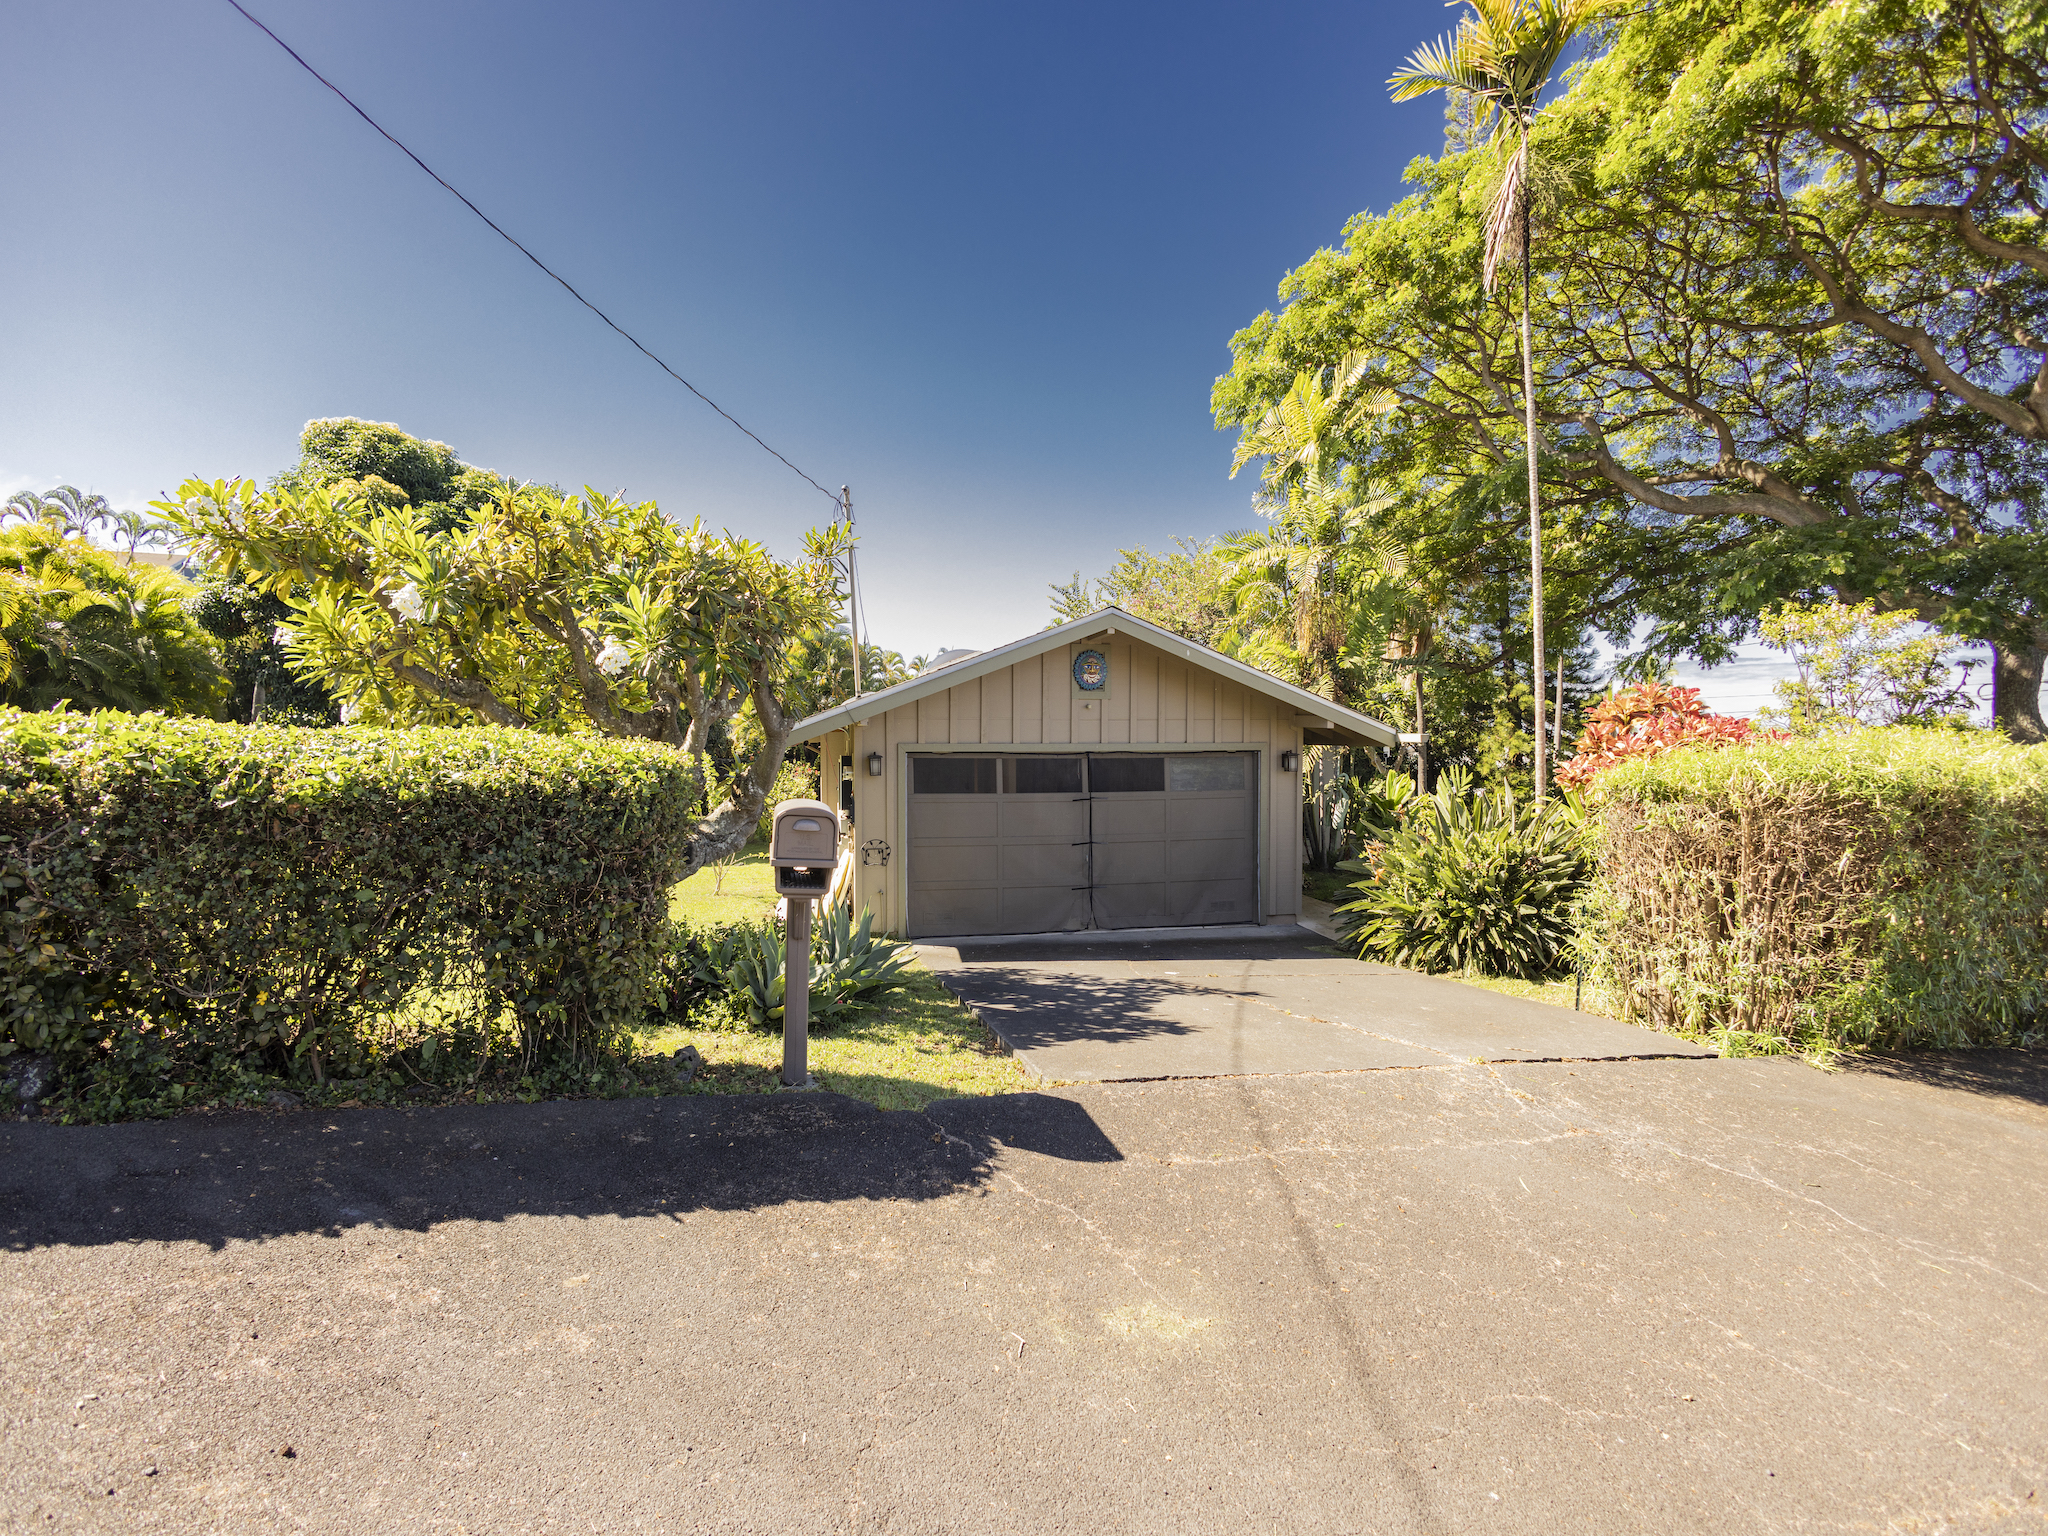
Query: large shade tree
(1814,305)
(1724,428)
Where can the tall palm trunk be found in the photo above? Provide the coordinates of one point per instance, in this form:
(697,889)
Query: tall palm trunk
(1536,669)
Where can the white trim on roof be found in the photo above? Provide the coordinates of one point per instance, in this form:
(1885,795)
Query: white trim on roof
(1320,713)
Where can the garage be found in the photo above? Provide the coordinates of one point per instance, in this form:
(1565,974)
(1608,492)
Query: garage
(1056,842)
(1100,774)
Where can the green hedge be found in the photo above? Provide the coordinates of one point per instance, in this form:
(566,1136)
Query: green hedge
(179,888)
(1886,888)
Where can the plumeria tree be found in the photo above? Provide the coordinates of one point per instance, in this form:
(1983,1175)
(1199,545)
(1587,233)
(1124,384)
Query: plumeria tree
(539,611)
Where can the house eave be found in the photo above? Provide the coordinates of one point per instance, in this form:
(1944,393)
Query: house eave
(1323,722)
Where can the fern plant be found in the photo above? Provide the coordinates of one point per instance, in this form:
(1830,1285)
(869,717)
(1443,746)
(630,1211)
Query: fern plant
(1471,880)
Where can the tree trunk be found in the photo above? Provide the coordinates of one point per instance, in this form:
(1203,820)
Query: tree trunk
(1535,510)
(2016,692)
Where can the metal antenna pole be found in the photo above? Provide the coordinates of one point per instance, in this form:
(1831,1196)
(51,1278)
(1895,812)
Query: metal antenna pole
(852,586)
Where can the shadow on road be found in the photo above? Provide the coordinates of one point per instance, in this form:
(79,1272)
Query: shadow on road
(2012,1074)
(221,1179)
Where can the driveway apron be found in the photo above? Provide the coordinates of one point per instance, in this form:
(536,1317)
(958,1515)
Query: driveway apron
(1283,1001)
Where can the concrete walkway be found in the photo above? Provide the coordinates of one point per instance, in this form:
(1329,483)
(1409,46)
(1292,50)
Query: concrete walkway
(1271,1000)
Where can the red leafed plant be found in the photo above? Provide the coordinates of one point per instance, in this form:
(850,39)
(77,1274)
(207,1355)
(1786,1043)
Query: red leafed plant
(1646,720)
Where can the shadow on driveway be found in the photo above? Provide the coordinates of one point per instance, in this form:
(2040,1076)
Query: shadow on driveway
(221,1179)
(2011,1074)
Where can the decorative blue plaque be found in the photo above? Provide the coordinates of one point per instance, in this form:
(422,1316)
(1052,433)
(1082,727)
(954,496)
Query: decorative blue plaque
(1091,671)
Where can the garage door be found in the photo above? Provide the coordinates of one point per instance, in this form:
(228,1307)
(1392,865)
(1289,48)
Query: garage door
(1049,843)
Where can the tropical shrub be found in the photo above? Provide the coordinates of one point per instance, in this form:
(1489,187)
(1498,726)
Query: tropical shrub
(850,967)
(1646,721)
(794,780)
(180,890)
(1876,888)
(1471,880)
(79,625)
(856,964)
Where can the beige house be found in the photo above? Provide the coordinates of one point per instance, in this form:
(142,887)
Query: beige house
(1104,773)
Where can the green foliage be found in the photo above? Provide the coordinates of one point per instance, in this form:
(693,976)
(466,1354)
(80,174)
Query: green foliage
(80,625)
(850,966)
(795,780)
(1180,590)
(1883,888)
(820,670)
(247,623)
(1789,295)
(854,963)
(389,467)
(1857,667)
(186,892)
(1471,881)
(539,611)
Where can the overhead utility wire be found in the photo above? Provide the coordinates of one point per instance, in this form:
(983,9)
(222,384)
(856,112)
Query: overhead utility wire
(522,250)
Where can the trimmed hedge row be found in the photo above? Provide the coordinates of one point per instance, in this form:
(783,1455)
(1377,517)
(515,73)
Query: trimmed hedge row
(178,887)
(1884,887)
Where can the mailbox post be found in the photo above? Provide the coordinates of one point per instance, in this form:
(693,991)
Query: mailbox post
(803,848)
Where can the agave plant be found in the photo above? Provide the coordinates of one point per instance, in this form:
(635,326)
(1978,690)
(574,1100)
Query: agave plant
(1473,881)
(851,962)
(849,966)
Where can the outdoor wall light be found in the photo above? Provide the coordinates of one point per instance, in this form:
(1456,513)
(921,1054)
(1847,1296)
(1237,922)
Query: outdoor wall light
(1288,760)
(874,765)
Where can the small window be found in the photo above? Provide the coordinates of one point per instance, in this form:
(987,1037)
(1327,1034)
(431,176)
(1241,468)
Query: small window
(1126,775)
(951,775)
(1043,775)
(1212,770)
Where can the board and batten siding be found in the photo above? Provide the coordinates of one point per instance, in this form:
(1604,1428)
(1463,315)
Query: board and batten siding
(1155,700)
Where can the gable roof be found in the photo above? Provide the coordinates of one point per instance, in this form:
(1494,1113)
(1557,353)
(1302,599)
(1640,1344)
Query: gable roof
(1325,724)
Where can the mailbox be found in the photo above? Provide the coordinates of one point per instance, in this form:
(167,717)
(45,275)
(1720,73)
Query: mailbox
(804,848)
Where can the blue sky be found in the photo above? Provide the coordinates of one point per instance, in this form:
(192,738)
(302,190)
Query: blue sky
(982,263)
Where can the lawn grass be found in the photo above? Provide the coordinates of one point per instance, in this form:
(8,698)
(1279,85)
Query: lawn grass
(915,1045)
(740,892)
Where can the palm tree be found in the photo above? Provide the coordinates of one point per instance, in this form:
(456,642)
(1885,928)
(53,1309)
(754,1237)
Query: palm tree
(1500,60)
(1295,433)
(67,509)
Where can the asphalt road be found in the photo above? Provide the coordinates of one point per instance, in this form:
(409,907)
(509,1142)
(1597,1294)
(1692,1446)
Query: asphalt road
(1651,1295)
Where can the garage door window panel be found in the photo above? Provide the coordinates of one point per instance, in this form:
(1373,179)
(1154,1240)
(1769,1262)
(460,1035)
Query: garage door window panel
(951,775)
(1043,776)
(1126,775)
(1209,772)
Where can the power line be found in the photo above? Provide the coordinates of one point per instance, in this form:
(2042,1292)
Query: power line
(522,250)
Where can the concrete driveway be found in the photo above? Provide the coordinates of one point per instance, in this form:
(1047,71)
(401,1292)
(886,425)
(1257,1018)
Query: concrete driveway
(1660,1296)
(1097,1008)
